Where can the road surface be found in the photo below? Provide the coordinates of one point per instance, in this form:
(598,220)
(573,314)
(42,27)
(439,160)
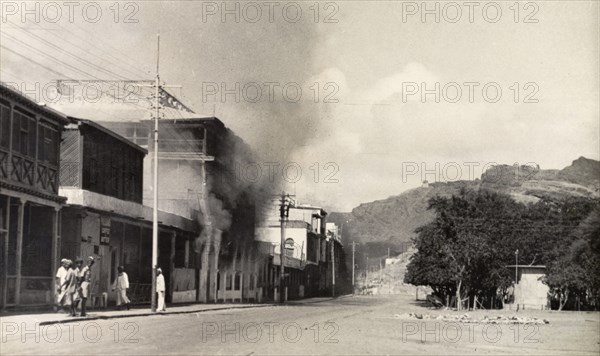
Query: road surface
(361,325)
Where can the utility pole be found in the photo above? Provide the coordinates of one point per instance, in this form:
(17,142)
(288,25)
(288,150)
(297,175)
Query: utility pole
(332,267)
(156,85)
(353,264)
(155,176)
(516,266)
(284,209)
(157,106)
(281,249)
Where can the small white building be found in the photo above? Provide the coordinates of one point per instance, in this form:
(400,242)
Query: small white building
(530,290)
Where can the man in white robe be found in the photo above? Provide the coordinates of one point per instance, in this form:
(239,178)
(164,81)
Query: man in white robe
(160,290)
(122,285)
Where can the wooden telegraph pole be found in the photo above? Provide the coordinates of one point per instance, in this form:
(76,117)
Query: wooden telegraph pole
(353,264)
(157,106)
(284,209)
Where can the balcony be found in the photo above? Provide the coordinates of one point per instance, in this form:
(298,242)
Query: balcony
(181,145)
(27,172)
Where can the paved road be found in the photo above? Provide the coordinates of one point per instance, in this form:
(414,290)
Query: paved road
(351,325)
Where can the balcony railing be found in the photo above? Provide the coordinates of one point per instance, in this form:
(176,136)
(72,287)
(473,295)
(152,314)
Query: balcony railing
(3,164)
(28,171)
(180,145)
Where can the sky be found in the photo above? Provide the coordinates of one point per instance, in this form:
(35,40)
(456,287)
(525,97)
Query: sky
(348,101)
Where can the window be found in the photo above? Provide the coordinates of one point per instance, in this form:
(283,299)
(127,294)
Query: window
(131,188)
(133,184)
(32,139)
(142,133)
(228,282)
(93,171)
(115,156)
(137,135)
(49,144)
(114,177)
(238,279)
(24,134)
(4,126)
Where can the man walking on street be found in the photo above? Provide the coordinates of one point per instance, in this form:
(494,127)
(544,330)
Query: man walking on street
(85,278)
(77,294)
(121,285)
(160,290)
(70,287)
(61,275)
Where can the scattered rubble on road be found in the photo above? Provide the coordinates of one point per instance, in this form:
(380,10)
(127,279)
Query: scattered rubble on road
(465,318)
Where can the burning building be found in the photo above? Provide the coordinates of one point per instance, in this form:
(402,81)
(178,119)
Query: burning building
(102,178)
(197,176)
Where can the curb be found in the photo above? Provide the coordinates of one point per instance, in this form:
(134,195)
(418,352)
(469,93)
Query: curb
(176,312)
(328,299)
(119,316)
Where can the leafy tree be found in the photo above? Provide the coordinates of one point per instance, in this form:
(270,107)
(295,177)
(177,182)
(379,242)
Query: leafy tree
(457,251)
(574,271)
(466,249)
(430,268)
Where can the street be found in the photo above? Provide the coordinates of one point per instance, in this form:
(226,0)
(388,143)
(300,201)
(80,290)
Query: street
(348,325)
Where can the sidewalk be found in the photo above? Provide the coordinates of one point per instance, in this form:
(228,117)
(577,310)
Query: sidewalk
(46,318)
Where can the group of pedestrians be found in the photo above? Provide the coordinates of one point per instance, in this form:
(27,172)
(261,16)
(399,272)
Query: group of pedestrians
(73,284)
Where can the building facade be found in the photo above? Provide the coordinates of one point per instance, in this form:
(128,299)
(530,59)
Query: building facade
(197,159)
(314,256)
(102,177)
(29,199)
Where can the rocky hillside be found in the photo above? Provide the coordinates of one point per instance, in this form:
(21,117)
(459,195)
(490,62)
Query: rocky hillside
(583,171)
(390,223)
(529,184)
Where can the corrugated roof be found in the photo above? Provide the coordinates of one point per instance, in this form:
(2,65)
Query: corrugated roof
(41,108)
(109,132)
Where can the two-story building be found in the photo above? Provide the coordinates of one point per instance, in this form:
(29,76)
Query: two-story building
(311,245)
(197,160)
(29,199)
(102,175)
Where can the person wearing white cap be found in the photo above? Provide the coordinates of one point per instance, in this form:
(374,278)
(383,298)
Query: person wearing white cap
(61,275)
(160,290)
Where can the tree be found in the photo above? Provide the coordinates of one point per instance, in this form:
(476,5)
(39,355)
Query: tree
(456,252)
(429,267)
(574,272)
(465,251)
